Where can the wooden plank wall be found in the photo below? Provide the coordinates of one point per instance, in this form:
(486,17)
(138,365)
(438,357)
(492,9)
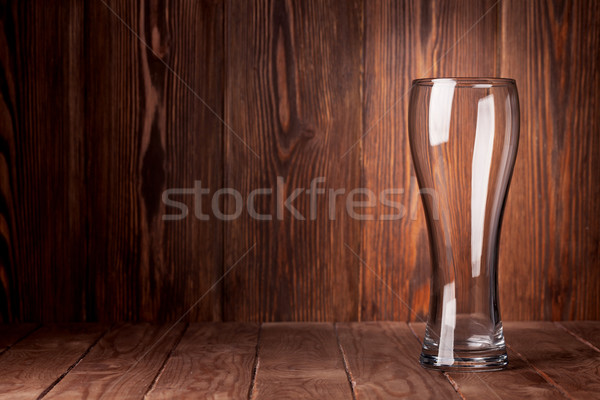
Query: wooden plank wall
(154,85)
(292,78)
(550,254)
(119,101)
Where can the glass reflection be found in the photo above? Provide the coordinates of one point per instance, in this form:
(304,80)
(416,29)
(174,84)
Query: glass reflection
(482,161)
(440,110)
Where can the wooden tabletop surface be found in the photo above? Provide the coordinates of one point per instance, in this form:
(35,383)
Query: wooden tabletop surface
(285,361)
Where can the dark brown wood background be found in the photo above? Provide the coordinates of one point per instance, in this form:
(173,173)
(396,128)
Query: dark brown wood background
(105,104)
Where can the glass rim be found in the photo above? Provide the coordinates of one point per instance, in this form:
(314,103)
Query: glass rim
(465,81)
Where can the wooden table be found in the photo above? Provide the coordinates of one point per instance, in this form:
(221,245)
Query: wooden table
(285,360)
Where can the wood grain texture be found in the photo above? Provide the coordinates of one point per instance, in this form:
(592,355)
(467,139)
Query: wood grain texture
(9,122)
(403,41)
(34,364)
(550,248)
(382,358)
(293,96)
(570,365)
(300,361)
(588,331)
(42,185)
(213,361)
(518,381)
(12,333)
(152,74)
(123,364)
(295,360)
(106,104)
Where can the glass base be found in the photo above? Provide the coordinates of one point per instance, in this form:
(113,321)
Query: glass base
(466,362)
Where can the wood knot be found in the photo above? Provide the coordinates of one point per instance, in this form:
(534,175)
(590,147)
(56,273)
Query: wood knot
(159,48)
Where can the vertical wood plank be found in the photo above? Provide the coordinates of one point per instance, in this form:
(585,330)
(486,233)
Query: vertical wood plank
(403,41)
(213,360)
(571,365)
(123,364)
(113,114)
(517,381)
(153,71)
(300,361)
(34,364)
(10,307)
(550,253)
(293,100)
(194,247)
(42,193)
(382,358)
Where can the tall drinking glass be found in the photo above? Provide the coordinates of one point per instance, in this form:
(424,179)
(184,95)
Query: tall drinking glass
(464,134)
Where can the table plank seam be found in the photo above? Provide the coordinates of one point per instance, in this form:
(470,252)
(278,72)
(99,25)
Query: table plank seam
(541,373)
(79,359)
(454,385)
(20,339)
(576,336)
(349,376)
(451,381)
(255,364)
(164,363)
